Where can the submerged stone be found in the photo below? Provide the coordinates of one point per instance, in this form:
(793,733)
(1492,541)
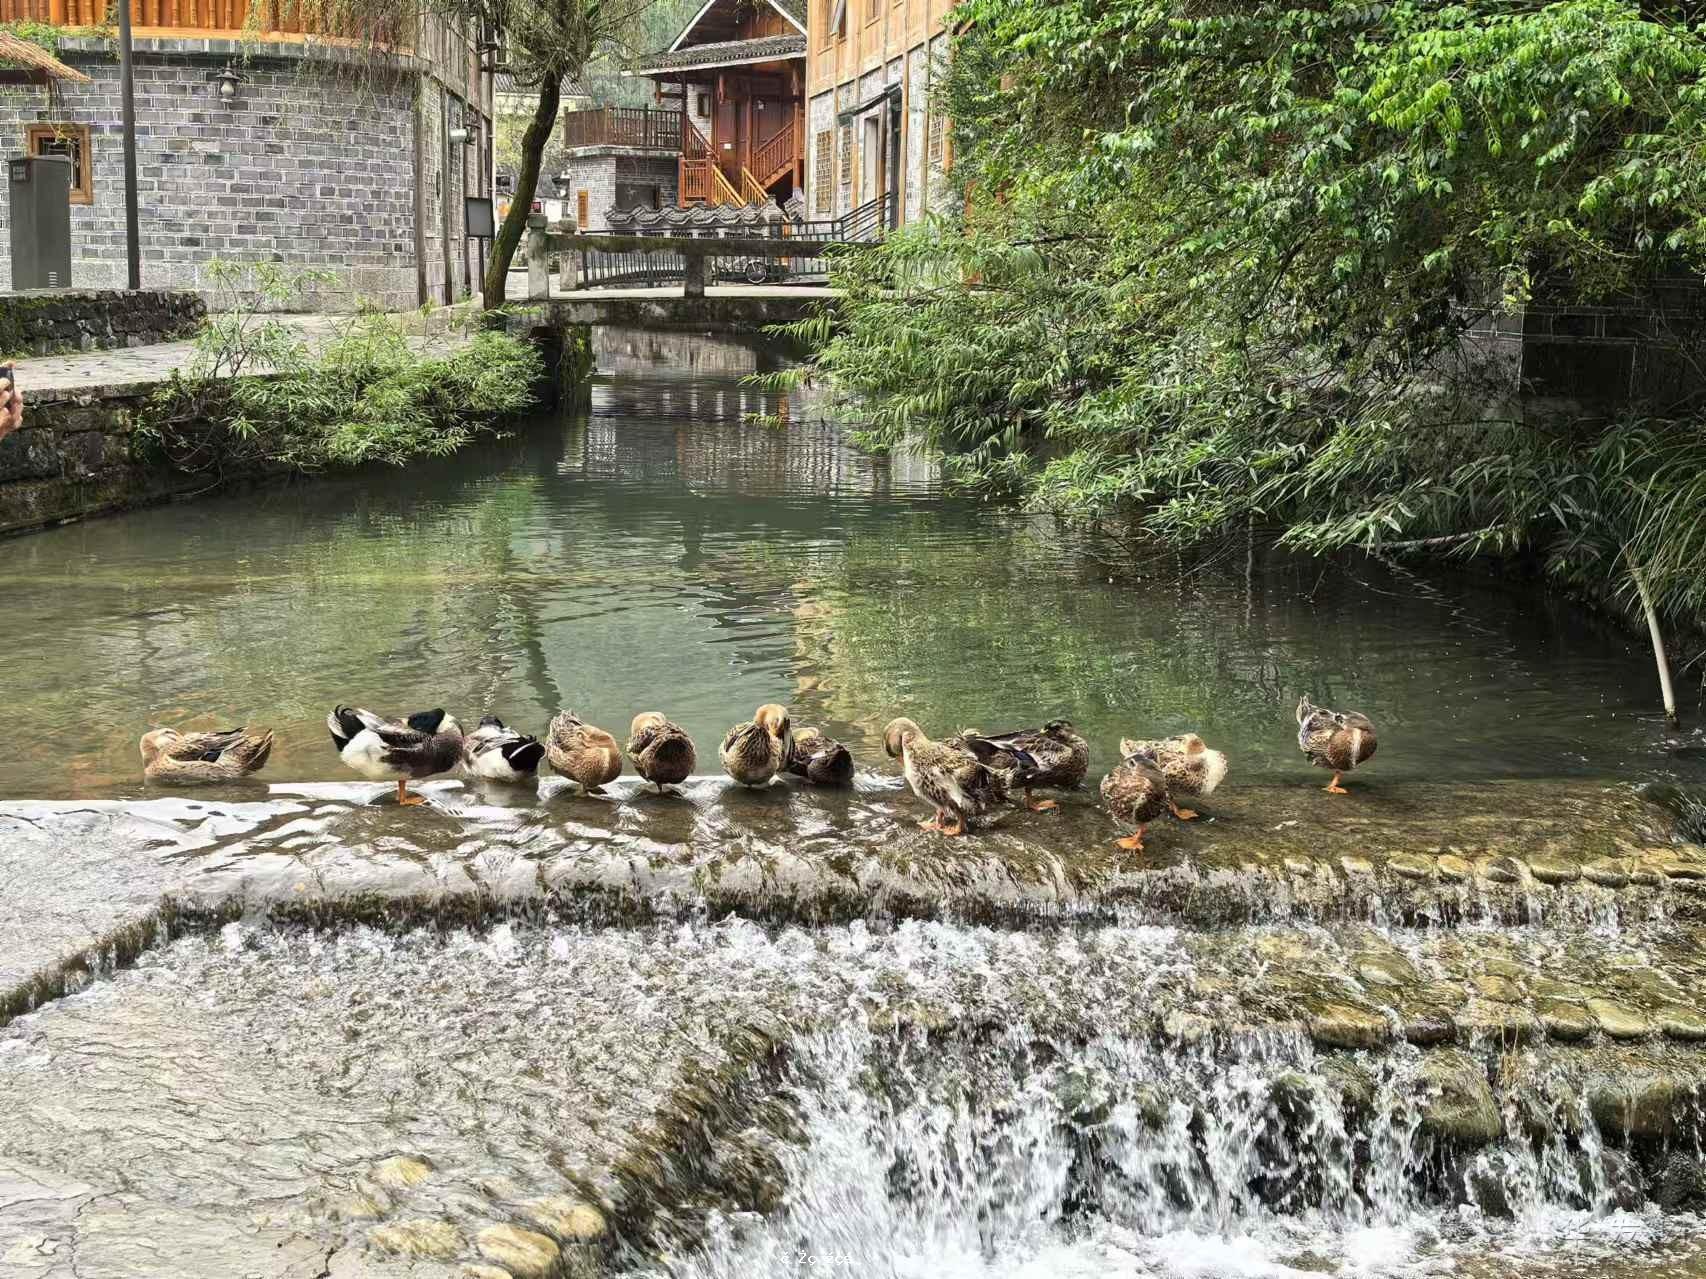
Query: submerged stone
(1565,1021)
(1680,1184)
(1347,1026)
(1385,970)
(1428,1024)
(1643,1107)
(568,1219)
(1486,1019)
(422,1237)
(1503,870)
(1554,870)
(524,1253)
(1608,872)
(401,1172)
(1454,868)
(1410,866)
(1619,1020)
(1686,1024)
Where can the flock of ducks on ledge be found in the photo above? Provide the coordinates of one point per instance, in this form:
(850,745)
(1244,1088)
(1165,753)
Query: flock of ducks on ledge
(962,777)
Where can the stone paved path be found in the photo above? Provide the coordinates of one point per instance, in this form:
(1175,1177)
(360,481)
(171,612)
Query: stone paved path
(157,361)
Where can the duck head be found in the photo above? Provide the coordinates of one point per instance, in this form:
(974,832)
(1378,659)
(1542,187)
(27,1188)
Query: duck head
(645,720)
(1058,727)
(898,735)
(157,741)
(772,718)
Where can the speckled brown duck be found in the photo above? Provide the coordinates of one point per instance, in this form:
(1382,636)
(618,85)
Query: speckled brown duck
(820,759)
(1339,740)
(945,776)
(1136,794)
(1188,764)
(200,758)
(1052,756)
(585,754)
(754,751)
(660,750)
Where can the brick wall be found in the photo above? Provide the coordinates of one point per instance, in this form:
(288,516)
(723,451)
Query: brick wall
(303,166)
(599,170)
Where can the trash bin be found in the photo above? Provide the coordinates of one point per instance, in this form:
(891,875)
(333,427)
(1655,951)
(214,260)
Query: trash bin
(39,187)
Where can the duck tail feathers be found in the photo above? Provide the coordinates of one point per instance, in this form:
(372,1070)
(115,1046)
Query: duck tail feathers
(524,756)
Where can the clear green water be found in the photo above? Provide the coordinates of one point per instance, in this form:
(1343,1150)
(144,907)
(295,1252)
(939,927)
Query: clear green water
(658,553)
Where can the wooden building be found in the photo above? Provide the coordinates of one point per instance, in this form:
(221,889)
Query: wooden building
(726,128)
(871,135)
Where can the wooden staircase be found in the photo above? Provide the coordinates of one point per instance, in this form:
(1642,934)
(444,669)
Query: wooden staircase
(702,178)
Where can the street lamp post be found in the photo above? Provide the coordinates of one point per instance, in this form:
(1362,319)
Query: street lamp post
(127,99)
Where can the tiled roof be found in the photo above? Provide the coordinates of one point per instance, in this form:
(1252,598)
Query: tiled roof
(504,82)
(764,49)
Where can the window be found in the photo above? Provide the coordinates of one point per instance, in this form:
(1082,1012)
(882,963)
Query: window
(703,106)
(838,19)
(823,173)
(846,155)
(938,141)
(873,10)
(581,218)
(71,141)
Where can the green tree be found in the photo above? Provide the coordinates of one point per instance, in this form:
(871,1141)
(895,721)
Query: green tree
(1224,264)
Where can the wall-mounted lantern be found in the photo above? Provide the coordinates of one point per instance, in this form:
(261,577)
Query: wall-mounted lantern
(464,132)
(228,78)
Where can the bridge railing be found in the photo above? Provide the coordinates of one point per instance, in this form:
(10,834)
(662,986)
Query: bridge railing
(649,260)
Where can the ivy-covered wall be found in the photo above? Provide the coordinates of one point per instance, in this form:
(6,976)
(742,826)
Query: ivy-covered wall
(57,321)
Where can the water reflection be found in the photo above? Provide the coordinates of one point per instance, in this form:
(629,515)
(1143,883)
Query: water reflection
(656,550)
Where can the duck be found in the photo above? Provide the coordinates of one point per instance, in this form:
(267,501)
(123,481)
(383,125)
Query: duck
(821,759)
(1339,740)
(225,756)
(1187,763)
(1136,794)
(583,753)
(948,777)
(494,752)
(1053,755)
(424,745)
(661,751)
(754,751)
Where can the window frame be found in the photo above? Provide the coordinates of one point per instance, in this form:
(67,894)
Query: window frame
(82,159)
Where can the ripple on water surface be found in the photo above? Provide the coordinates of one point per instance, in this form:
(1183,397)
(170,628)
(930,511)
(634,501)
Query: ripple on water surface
(658,551)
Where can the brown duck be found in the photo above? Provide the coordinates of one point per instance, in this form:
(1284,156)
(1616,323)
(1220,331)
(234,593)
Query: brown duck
(1136,794)
(660,751)
(754,751)
(586,755)
(945,776)
(171,756)
(1187,763)
(821,760)
(1053,755)
(1337,740)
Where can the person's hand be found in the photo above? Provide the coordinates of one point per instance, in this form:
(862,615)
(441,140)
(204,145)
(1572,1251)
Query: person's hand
(11,408)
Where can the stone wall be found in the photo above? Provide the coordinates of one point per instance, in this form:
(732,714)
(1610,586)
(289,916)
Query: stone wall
(307,165)
(599,171)
(77,455)
(55,321)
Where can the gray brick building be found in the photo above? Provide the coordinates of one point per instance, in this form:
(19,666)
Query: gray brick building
(316,159)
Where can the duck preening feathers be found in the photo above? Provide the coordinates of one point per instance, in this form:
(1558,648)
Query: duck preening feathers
(1187,763)
(1136,794)
(821,760)
(495,752)
(1053,755)
(1339,740)
(586,755)
(754,751)
(424,745)
(171,756)
(945,776)
(661,751)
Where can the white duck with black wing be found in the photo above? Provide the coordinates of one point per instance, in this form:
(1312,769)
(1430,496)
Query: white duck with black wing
(424,745)
(495,752)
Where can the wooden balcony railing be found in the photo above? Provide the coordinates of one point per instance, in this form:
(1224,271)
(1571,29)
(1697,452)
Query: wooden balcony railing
(639,127)
(263,17)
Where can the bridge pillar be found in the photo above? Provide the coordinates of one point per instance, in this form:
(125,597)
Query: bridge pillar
(693,276)
(538,259)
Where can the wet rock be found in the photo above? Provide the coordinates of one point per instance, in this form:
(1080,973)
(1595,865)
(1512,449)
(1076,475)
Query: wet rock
(422,1237)
(1554,870)
(474,1271)
(524,1253)
(1187,1028)
(1624,1185)
(1301,866)
(1428,1024)
(1446,994)
(1642,1107)
(1618,1020)
(360,1205)
(1347,1026)
(568,1219)
(1453,868)
(1680,1185)
(1486,1019)
(1487,1188)
(1353,1086)
(1565,1021)
(1686,1024)
(1356,866)
(1282,948)
(1510,969)
(1411,867)
(1293,1096)
(1608,872)
(402,1172)
(1569,992)
(1503,989)
(1503,870)
(1459,1105)
(1390,969)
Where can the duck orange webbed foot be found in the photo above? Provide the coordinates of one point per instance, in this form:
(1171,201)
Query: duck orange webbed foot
(1333,787)
(955,831)
(934,823)
(1132,843)
(1183,814)
(1040,805)
(407,800)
